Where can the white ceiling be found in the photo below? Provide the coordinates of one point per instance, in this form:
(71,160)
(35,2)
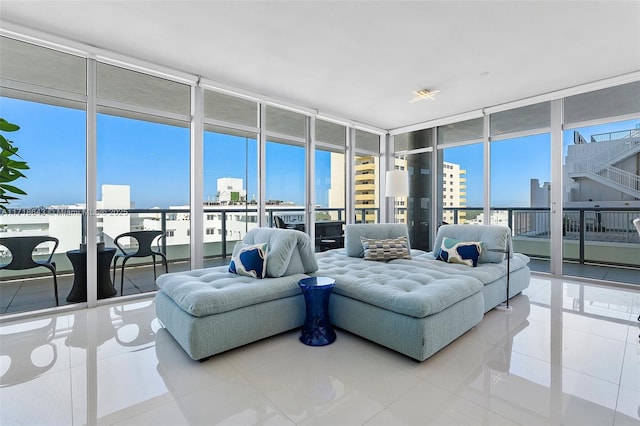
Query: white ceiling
(360,60)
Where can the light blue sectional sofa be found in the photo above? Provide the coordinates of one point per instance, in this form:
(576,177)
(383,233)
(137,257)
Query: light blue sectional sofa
(211,310)
(414,306)
(418,306)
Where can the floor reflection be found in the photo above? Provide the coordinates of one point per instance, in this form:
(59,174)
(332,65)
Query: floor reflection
(27,351)
(568,353)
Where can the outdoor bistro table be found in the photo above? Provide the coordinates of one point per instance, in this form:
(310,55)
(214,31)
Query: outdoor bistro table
(78,259)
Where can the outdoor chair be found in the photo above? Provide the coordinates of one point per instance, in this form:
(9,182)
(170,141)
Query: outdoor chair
(22,248)
(279,222)
(144,248)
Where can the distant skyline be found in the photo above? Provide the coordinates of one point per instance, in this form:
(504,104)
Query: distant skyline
(154,160)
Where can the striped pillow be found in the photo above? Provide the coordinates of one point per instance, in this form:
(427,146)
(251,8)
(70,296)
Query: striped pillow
(393,248)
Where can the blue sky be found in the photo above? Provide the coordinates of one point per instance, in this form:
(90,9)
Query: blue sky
(154,160)
(514,163)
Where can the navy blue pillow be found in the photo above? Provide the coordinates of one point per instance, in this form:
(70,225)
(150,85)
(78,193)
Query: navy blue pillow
(464,252)
(250,261)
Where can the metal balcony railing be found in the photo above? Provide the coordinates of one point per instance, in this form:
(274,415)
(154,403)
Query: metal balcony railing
(223,227)
(590,235)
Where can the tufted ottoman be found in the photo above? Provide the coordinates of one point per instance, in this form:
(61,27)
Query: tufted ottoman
(209,311)
(413,311)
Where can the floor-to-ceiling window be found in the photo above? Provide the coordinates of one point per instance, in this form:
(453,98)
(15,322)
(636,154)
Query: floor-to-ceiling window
(44,93)
(601,146)
(413,153)
(229,172)
(366,179)
(461,172)
(600,179)
(330,140)
(285,170)
(520,180)
(143,169)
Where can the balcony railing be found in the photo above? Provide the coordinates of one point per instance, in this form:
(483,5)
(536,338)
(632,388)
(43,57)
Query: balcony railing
(222,227)
(594,236)
(590,235)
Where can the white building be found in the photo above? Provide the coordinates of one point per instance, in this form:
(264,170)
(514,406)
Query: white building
(65,221)
(604,170)
(230,190)
(540,195)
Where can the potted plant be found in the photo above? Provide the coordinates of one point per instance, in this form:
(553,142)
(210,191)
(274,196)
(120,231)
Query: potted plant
(10,167)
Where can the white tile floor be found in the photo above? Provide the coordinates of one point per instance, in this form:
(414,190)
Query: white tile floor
(567,354)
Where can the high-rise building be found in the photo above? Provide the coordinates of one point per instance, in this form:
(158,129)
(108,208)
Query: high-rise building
(366,182)
(454,192)
(540,194)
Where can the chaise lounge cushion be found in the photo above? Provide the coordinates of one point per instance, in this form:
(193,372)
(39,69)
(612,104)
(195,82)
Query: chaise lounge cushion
(415,292)
(486,273)
(210,291)
(290,251)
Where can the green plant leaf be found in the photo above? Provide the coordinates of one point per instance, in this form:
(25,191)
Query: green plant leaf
(9,167)
(11,176)
(7,172)
(18,165)
(5,144)
(5,126)
(13,189)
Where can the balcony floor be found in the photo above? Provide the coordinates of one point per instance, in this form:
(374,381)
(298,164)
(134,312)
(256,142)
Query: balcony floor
(22,295)
(37,293)
(595,272)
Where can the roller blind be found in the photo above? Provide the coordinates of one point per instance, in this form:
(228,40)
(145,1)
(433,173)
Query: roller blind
(230,109)
(28,63)
(604,103)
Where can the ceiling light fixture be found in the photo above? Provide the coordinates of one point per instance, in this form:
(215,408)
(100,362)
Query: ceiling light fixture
(419,95)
